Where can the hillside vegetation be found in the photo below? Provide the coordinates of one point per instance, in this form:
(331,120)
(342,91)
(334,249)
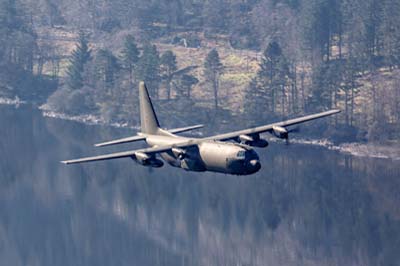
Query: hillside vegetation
(250,61)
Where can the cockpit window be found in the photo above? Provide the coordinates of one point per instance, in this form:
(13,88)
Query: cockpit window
(241,154)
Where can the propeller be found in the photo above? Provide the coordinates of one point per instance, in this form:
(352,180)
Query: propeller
(292,130)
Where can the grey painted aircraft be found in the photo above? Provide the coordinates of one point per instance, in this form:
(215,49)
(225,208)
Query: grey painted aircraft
(230,153)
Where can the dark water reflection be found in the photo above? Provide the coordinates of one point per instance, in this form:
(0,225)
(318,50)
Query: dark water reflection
(307,206)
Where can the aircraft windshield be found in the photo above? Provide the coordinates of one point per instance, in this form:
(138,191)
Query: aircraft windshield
(241,154)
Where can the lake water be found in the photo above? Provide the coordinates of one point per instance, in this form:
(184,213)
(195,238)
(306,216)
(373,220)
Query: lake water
(307,205)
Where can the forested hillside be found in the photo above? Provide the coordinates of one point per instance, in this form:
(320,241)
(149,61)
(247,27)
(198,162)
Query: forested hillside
(252,61)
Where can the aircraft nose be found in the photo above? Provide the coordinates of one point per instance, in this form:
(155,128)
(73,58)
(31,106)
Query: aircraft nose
(255,165)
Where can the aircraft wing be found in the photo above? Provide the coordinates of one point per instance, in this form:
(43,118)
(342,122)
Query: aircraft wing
(132,154)
(269,128)
(184,129)
(120,141)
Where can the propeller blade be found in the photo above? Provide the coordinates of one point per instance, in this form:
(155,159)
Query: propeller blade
(294,130)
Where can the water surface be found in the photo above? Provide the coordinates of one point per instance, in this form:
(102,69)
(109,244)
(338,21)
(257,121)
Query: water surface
(306,206)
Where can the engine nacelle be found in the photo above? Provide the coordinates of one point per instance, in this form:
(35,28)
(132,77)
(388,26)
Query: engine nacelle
(252,141)
(146,160)
(179,153)
(245,138)
(280,132)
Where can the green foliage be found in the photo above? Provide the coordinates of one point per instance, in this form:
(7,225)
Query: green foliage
(168,66)
(213,62)
(316,51)
(326,81)
(257,98)
(130,55)
(79,58)
(18,42)
(184,85)
(391,32)
(107,67)
(216,15)
(148,68)
(168,63)
(321,21)
(272,78)
(213,68)
(17,39)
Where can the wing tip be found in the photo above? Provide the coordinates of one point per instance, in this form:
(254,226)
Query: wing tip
(102,144)
(64,162)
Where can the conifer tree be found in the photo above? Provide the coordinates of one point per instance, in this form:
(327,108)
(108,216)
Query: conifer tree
(80,57)
(213,69)
(168,66)
(17,36)
(273,75)
(148,68)
(107,68)
(130,56)
(184,85)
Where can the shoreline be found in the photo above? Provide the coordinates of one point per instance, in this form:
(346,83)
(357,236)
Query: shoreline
(87,119)
(357,149)
(8,101)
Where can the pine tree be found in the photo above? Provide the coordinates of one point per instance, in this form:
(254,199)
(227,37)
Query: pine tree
(17,36)
(107,66)
(256,99)
(148,68)
(216,15)
(326,81)
(184,85)
(168,66)
(321,20)
(390,31)
(79,58)
(213,68)
(373,21)
(274,75)
(130,56)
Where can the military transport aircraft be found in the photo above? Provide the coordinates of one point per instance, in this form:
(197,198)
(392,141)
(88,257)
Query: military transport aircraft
(198,154)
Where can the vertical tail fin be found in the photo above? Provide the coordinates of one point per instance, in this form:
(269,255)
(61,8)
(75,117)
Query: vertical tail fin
(148,119)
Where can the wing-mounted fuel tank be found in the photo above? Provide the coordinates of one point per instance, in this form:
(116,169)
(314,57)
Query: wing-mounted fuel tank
(252,140)
(147,160)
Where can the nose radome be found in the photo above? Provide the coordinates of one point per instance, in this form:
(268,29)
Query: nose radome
(255,165)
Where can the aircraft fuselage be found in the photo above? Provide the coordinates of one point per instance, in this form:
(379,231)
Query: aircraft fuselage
(215,156)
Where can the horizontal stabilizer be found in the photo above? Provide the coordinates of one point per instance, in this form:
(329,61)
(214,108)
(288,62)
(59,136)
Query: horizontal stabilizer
(120,141)
(143,136)
(184,129)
